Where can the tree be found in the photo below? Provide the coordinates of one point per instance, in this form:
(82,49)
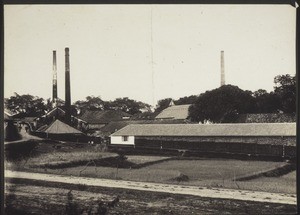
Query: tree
(125,104)
(128,105)
(186,100)
(91,103)
(26,105)
(266,102)
(222,104)
(162,104)
(285,88)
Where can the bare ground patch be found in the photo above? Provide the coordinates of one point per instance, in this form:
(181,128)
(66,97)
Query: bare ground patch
(51,198)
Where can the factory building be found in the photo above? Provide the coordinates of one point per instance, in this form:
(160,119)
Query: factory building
(268,139)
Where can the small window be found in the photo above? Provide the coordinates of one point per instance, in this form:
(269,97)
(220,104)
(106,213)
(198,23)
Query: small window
(125,138)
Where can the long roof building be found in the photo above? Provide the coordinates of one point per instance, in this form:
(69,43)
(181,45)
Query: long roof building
(238,129)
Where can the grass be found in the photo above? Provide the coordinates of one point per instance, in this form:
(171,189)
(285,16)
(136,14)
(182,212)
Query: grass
(58,157)
(54,153)
(206,172)
(282,184)
(200,172)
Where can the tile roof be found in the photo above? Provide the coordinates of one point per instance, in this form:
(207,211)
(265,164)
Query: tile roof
(117,125)
(58,127)
(103,116)
(243,129)
(174,112)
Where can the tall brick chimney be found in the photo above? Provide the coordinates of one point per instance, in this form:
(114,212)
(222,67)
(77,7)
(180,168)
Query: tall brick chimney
(54,83)
(68,88)
(222,69)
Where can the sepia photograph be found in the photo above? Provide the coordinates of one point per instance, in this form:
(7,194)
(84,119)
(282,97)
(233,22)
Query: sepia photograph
(150,109)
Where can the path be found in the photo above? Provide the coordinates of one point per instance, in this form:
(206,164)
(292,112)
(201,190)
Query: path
(25,137)
(164,188)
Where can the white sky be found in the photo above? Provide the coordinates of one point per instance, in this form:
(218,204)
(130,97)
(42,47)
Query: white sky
(115,51)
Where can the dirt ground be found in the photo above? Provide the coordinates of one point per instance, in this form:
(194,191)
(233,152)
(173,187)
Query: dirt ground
(48,198)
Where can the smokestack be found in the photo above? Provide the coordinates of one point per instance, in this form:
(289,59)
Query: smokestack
(54,84)
(68,90)
(222,69)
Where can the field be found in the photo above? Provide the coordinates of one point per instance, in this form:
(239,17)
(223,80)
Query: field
(209,173)
(93,161)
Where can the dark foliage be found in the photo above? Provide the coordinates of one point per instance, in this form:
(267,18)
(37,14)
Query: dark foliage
(285,89)
(129,106)
(162,104)
(186,100)
(267,102)
(222,104)
(11,132)
(124,104)
(26,105)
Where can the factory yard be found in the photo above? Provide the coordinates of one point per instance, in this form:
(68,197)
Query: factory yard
(73,160)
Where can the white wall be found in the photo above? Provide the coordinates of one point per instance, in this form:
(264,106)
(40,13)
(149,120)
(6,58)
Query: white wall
(119,140)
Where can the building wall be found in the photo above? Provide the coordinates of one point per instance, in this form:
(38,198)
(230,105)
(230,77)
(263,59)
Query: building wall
(120,140)
(288,141)
(264,146)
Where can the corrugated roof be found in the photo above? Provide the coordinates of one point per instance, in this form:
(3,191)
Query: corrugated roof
(58,127)
(103,116)
(174,112)
(243,129)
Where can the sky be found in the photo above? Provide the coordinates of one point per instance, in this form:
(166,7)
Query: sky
(146,52)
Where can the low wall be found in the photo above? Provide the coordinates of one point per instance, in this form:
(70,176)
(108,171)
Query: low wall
(262,148)
(288,141)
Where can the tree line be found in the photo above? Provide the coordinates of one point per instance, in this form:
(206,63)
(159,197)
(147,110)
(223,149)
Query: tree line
(33,106)
(225,103)
(222,104)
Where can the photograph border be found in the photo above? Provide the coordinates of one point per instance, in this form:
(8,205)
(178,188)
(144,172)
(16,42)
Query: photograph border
(19,2)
